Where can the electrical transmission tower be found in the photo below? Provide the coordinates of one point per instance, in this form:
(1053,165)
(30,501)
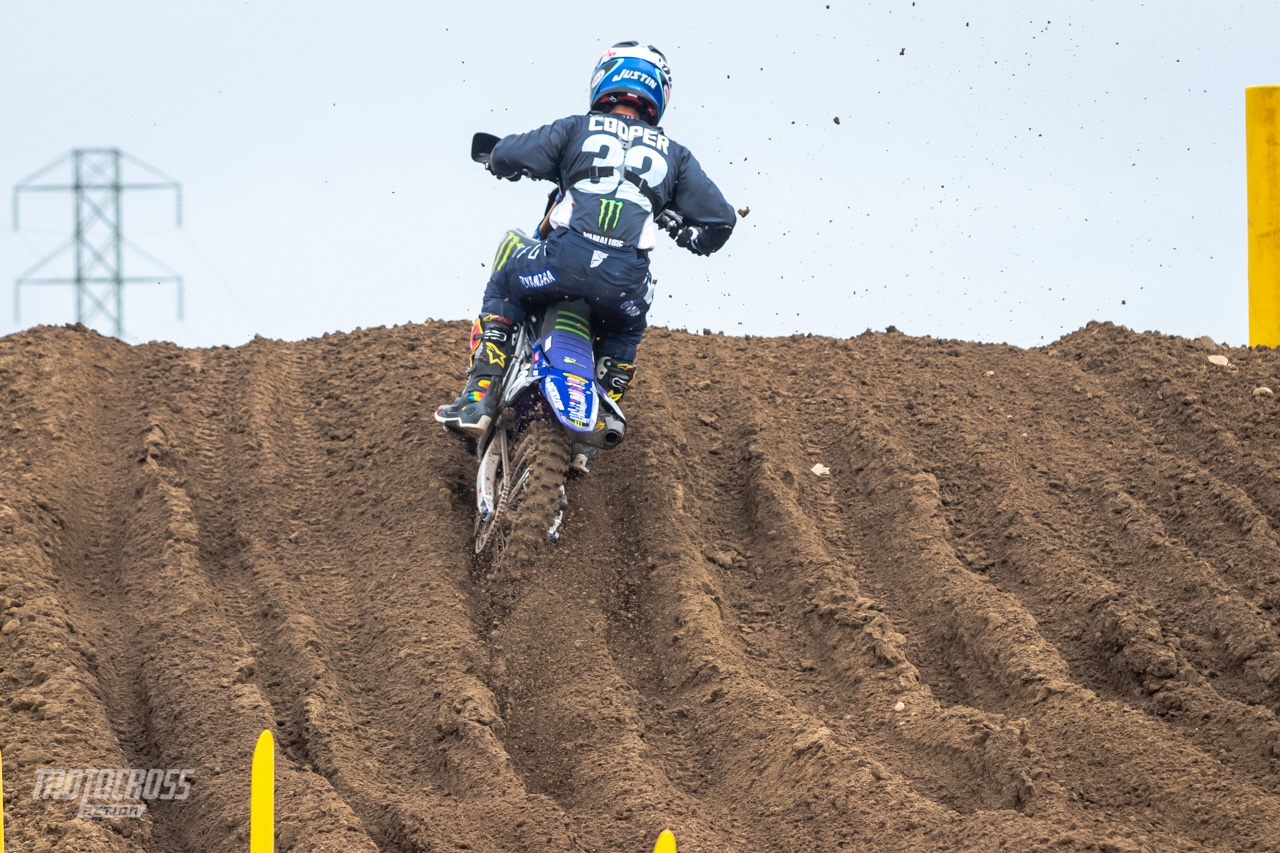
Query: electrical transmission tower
(98,244)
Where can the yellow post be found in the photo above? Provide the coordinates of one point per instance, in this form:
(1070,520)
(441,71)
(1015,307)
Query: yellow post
(1262,157)
(666,843)
(262,796)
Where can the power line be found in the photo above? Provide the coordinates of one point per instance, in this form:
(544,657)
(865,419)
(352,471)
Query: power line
(97,244)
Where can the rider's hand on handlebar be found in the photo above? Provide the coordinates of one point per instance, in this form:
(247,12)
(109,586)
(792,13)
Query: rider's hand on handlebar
(489,166)
(687,238)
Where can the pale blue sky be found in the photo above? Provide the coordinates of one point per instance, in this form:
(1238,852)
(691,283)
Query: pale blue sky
(1001,171)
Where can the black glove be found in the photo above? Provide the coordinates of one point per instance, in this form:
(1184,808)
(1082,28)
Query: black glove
(515,177)
(687,238)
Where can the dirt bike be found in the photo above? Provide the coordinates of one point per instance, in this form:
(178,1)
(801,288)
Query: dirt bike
(550,400)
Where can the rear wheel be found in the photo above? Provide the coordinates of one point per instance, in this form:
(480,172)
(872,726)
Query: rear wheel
(530,501)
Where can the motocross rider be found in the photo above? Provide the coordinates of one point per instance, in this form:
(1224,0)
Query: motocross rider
(616,169)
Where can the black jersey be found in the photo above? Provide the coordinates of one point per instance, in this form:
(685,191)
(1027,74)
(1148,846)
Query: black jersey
(616,173)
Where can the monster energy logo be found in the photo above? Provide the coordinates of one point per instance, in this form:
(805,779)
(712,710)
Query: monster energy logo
(610,211)
(567,321)
(510,243)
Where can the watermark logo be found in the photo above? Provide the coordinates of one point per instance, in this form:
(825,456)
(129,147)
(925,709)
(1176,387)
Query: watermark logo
(610,211)
(111,792)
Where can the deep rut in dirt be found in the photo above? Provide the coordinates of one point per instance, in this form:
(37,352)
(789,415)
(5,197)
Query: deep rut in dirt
(883,593)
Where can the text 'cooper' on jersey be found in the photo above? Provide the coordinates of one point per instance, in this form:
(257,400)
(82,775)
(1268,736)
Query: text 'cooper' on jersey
(617,173)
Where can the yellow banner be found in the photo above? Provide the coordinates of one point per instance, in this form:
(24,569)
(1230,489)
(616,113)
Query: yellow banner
(262,796)
(1262,156)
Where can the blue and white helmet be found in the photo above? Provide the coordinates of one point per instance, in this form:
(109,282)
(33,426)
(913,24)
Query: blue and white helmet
(633,74)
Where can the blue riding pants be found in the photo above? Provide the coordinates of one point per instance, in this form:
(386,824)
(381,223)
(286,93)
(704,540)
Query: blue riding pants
(615,282)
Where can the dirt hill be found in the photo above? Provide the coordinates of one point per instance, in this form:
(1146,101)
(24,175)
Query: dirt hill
(1027,602)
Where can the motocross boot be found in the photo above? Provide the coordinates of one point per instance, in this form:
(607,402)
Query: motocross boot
(492,343)
(615,377)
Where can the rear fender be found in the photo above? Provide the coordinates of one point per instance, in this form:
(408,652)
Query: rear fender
(575,400)
(568,365)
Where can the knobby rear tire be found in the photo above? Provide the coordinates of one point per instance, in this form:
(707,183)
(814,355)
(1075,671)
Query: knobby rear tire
(524,518)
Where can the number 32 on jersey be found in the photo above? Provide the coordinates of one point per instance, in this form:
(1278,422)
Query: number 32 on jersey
(647,162)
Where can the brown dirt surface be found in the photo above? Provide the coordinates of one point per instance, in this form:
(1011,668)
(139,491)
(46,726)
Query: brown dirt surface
(1030,605)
